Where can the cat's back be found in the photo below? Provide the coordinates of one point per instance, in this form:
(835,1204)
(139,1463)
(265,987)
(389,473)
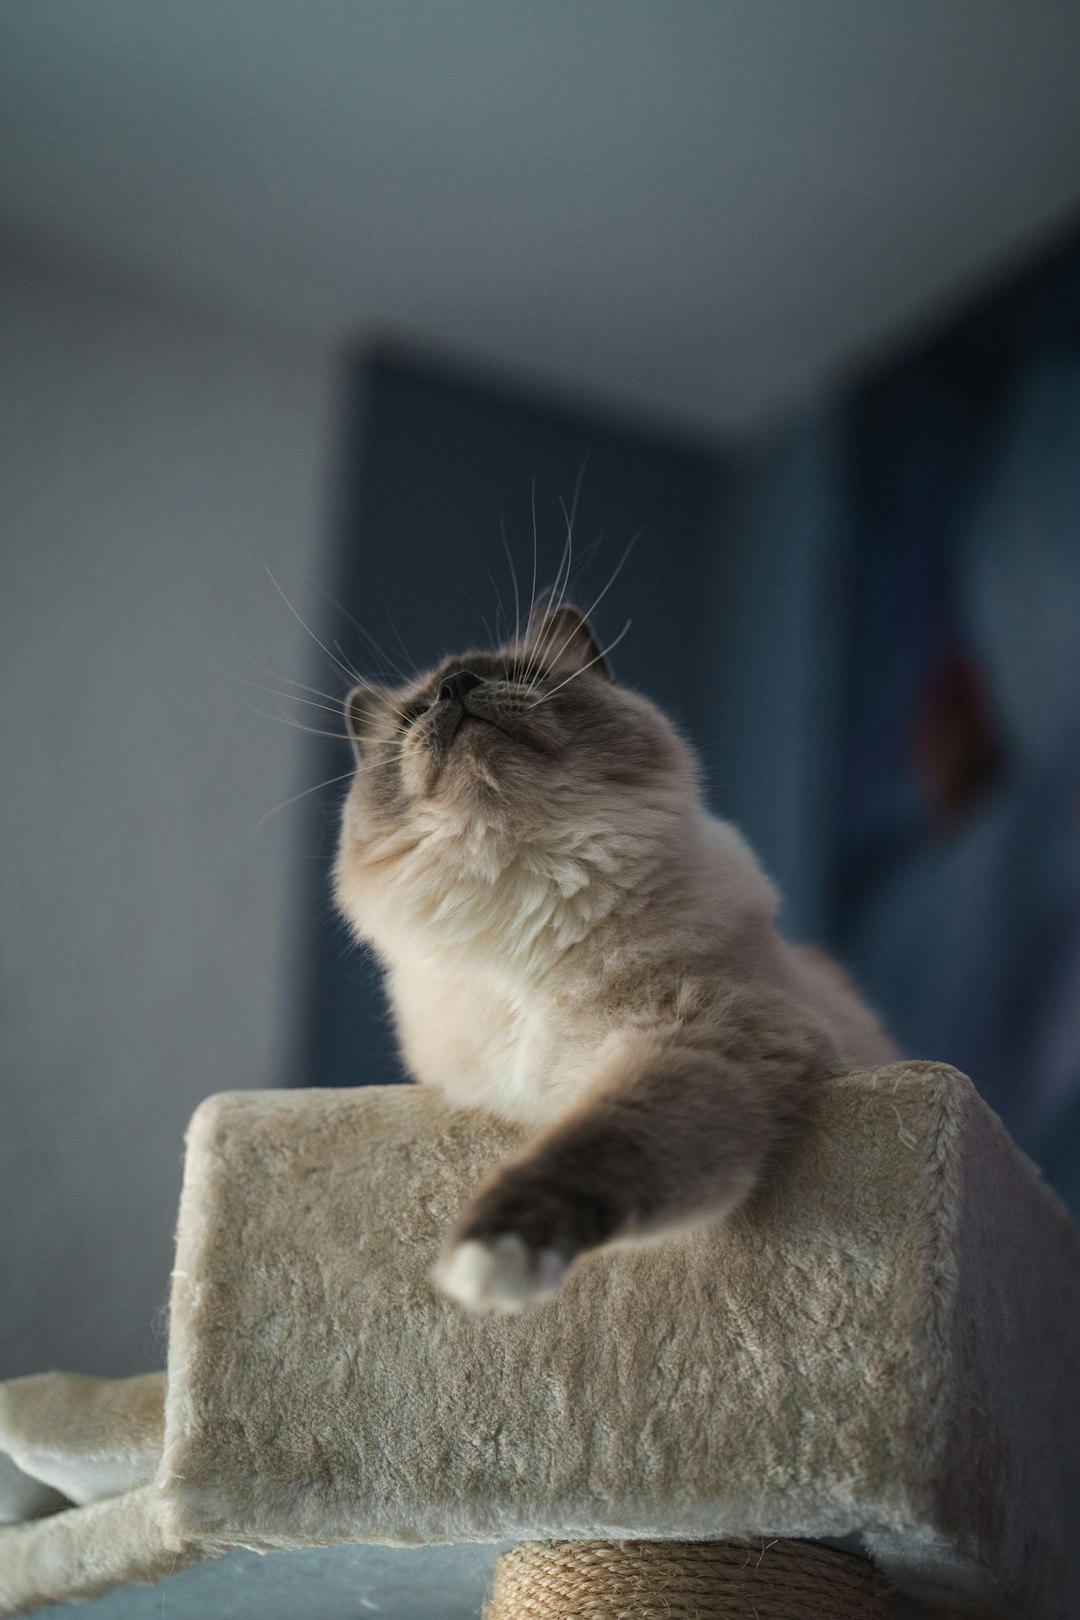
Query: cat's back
(755,950)
(823,986)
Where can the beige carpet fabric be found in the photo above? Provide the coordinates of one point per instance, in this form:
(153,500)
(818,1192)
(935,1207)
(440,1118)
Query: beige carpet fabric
(85,1438)
(87,1551)
(886,1344)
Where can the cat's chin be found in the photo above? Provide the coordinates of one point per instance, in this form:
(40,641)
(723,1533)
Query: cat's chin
(483,736)
(474,761)
(475,731)
(485,759)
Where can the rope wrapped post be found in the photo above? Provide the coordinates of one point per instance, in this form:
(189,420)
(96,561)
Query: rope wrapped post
(689,1580)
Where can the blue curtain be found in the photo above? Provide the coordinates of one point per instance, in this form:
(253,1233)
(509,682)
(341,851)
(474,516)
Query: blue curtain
(958,853)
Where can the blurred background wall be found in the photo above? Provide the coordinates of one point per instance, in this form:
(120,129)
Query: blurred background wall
(312,298)
(152,459)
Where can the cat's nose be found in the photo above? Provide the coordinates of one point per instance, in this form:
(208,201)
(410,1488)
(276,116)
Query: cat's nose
(455,686)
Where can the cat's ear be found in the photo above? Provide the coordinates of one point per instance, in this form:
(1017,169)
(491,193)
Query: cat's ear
(567,638)
(363,707)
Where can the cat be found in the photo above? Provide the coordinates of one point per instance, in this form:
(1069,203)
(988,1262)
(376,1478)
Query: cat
(572,942)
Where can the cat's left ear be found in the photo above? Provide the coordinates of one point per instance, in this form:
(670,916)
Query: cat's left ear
(362,710)
(568,638)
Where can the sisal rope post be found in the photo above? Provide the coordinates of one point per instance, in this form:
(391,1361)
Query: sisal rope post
(684,1580)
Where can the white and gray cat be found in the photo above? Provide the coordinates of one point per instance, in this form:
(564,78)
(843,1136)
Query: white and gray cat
(574,943)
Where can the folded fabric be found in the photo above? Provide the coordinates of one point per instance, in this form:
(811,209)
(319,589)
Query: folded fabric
(883,1346)
(82,1438)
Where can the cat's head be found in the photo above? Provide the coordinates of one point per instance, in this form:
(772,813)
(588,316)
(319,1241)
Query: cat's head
(529,753)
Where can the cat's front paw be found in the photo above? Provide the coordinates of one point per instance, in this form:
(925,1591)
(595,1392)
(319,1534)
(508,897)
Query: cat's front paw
(499,1273)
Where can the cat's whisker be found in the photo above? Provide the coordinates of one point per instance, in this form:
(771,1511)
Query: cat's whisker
(368,727)
(500,640)
(332,697)
(298,725)
(554,601)
(370,769)
(292,697)
(343,667)
(570,518)
(536,643)
(614,576)
(383,697)
(379,692)
(558,589)
(259,686)
(532,596)
(471,599)
(354,672)
(600,655)
(514,581)
(409,659)
(394,707)
(372,739)
(303,794)
(380,652)
(376,647)
(543,649)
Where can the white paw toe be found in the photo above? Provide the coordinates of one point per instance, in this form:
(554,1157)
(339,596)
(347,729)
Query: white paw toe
(502,1275)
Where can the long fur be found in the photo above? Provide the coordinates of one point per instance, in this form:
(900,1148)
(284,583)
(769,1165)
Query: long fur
(572,942)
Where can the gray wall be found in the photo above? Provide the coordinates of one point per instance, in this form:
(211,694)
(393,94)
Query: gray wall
(151,458)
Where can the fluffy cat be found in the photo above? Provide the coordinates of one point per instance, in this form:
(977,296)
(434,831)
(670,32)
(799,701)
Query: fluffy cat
(573,942)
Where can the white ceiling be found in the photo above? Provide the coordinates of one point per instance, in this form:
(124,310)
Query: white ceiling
(701,209)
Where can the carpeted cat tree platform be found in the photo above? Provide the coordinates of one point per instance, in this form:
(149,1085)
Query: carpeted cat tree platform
(885,1350)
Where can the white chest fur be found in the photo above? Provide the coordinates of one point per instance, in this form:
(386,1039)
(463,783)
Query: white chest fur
(485,1046)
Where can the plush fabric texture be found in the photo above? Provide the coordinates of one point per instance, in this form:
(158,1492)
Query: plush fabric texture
(22,1496)
(67,1439)
(885,1344)
(85,1438)
(88,1551)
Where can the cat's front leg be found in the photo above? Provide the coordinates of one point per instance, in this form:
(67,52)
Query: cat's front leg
(678,1128)
(524,1230)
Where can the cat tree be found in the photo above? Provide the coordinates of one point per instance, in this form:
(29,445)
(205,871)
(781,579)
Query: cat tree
(882,1353)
